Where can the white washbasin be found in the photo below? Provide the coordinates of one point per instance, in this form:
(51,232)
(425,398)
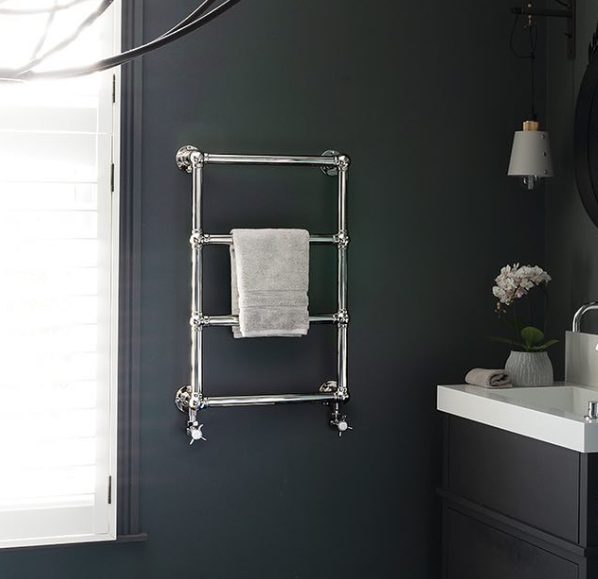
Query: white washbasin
(569,400)
(553,414)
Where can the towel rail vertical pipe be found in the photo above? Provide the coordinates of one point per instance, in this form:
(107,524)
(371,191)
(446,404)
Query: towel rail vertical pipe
(342,274)
(196,370)
(191,398)
(342,241)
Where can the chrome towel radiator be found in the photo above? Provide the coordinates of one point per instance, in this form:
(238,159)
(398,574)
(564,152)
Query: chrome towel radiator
(190,399)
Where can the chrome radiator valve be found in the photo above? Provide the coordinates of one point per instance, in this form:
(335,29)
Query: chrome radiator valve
(194,431)
(338,420)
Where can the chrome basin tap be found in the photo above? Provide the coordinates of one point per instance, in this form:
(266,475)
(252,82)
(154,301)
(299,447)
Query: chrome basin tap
(579,314)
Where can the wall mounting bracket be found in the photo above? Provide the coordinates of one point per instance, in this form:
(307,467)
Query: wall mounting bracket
(568,13)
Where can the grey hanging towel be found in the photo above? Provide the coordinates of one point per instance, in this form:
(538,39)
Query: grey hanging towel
(269,279)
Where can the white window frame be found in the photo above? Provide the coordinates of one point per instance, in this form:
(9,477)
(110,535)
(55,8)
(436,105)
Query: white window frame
(104,527)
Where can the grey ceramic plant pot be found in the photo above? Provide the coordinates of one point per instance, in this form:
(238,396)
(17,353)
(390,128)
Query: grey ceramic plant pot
(530,369)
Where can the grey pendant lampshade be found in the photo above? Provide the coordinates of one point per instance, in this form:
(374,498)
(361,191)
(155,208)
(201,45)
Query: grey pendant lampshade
(530,155)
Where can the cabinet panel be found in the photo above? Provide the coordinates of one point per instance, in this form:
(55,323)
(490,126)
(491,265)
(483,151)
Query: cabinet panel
(528,480)
(474,550)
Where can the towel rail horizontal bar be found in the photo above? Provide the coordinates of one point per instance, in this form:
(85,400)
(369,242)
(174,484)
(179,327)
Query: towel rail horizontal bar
(324,319)
(330,161)
(209,239)
(270,160)
(234,320)
(267,400)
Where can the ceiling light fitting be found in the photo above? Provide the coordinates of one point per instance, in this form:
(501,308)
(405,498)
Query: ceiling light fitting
(568,13)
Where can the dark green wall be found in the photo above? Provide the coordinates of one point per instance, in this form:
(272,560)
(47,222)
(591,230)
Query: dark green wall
(571,238)
(424,97)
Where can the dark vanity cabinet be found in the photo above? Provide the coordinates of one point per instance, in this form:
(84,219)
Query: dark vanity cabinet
(515,507)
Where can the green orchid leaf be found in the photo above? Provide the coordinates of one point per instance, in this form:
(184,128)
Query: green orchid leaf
(543,347)
(532,336)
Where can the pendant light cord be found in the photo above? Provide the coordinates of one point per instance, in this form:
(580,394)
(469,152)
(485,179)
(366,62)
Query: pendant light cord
(530,54)
(532,58)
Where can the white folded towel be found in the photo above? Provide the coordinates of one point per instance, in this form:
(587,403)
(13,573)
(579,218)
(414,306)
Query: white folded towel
(488,378)
(269,282)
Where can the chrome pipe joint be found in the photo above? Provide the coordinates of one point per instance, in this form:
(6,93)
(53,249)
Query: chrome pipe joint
(189,158)
(341,239)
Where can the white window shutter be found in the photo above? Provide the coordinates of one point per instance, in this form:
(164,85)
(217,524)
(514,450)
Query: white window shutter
(58,295)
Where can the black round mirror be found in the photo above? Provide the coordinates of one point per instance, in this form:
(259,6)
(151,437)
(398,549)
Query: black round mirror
(585,138)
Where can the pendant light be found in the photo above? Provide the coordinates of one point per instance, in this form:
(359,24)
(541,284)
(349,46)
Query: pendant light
(530,154)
